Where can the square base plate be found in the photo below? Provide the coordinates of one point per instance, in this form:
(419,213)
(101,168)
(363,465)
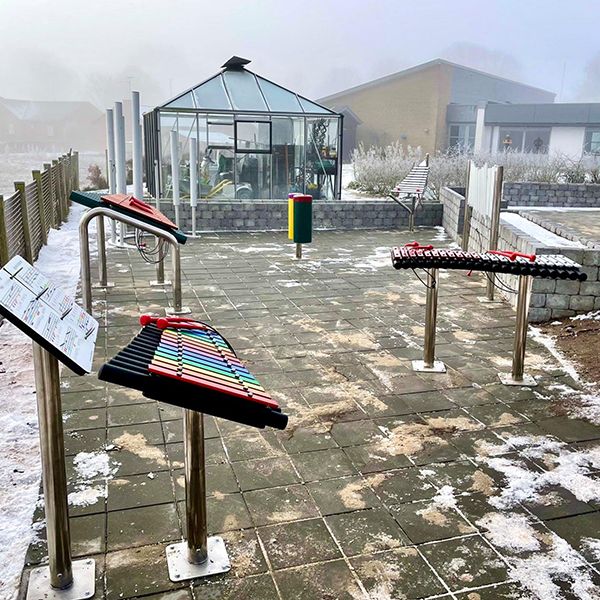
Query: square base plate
(98,286)
(83,586)
(419,366)
(507,379)
(486,300)
(180,569)
(184,311)
(155,283)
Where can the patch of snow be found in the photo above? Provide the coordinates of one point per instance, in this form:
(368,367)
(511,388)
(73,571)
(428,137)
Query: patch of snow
(510,531)
(541,573)
(20,467)
(571,471)
(90,465)
(584,404)
(441,235)
(537,232)
(593,315)
(593,545)
(445,497)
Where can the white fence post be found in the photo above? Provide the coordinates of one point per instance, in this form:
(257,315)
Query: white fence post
(138,186)
(175,173)
(193,181)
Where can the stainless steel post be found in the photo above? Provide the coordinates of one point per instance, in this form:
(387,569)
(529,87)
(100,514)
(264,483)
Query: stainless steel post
(429,364)
(195,487)
(84,249)
(430,318)
(47,386)
(495,226)
(103,282)
(298,251)
(518,376)
(199,555)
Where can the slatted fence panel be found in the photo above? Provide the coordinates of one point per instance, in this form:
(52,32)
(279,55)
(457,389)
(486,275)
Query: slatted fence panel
(13,221)
(33,215)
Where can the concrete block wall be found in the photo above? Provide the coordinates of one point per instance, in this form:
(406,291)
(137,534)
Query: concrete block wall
(272,215)
(550,299)
(551,194)
(453,201)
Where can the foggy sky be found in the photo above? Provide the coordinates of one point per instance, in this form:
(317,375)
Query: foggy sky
(98,50)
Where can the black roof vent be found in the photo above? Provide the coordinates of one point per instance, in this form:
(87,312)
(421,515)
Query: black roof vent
(235,63)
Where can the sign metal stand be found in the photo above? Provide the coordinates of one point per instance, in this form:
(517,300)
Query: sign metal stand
(60,330)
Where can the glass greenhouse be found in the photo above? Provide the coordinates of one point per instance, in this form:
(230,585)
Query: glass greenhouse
(254,140)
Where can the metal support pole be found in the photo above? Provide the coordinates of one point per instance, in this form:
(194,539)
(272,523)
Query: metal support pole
(193,181)
(84,250)
(136,134)
(298,251)
(61,578)
(495,225)
(160,274)
(120,162)
(103,282)
(429,364)
(112,173)
(517,376)
(175,173)
(199,555)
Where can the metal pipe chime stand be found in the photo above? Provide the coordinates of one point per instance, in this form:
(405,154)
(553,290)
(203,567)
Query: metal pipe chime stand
(84,251)
(199,555)
(103,282)
(517,375)
(429,364)
(62,578)
(160,274)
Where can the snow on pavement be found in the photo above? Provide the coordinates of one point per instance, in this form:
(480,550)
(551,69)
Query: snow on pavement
(19,446)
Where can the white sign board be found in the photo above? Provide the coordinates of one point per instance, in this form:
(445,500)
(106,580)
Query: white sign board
(482,183)
(29,300)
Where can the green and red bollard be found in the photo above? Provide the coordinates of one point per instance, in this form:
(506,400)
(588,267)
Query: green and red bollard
(300,220)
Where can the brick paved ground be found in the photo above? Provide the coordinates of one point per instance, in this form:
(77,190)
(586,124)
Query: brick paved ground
(387,484)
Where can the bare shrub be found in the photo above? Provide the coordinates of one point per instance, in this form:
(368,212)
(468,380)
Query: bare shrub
(377,170)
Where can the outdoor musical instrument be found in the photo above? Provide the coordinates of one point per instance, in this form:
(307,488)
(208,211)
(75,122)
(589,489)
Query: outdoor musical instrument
(551,266)
(189,364)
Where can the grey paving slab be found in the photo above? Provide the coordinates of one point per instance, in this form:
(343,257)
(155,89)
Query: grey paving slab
(383,482)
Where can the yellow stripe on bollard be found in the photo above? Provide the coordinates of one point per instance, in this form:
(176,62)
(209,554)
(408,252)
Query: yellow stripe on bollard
(291,216)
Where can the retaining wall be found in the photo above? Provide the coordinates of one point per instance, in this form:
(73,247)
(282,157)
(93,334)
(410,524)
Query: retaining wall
(551,194)
(550,299)
(256,215)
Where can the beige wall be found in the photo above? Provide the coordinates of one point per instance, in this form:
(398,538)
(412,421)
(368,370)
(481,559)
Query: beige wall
(413,106)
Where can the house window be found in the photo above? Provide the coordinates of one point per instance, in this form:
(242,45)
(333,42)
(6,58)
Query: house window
(461,136)
(534,140)
(591,143)
(50,130)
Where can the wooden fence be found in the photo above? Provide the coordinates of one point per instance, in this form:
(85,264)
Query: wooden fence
(27,216)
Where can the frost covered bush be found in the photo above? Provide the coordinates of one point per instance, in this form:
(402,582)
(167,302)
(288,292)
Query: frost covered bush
(377,170)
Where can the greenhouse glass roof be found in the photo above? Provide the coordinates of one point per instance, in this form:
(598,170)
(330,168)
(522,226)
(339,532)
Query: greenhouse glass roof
(236,89)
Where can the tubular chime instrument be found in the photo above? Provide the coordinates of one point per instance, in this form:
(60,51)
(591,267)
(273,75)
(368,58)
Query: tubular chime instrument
(189,364)
(415,256)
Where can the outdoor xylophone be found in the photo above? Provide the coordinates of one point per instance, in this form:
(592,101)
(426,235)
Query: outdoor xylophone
(190,364)
(525,266)
(413,256)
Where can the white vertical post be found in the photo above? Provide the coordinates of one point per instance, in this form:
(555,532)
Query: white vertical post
(193,181)
(138,186)
(112,183)
(121,167)
(175,172)
(110,144)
